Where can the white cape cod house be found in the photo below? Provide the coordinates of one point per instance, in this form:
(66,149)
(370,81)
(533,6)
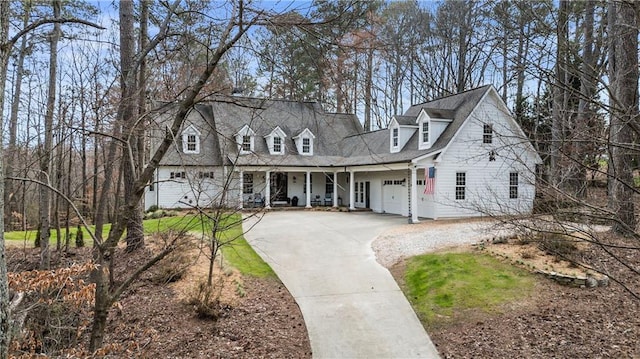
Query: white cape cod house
(457,156)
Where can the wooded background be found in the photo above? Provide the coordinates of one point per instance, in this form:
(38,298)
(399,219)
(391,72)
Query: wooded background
(78,81)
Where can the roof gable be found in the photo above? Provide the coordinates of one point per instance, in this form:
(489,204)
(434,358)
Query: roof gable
(277,132)
(305,133)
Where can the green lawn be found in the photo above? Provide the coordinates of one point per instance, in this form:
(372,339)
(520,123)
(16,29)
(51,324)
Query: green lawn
(151,226)
(443,284)
(238,253)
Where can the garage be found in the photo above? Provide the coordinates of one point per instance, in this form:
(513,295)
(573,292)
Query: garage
(393,193)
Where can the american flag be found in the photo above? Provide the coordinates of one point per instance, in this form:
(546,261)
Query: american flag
(429,180)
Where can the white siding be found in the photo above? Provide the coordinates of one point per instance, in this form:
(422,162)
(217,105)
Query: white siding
(437,128)
(487,182)
(405,134)
(185,192)
(426,206)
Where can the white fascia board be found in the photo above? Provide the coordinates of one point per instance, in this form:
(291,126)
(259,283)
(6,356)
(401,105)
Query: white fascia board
(303,132)
(430,154)
(245,130)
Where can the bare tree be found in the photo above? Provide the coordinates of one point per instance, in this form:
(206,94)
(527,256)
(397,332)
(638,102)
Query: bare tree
(239,21)
(45,152)
(623,71)
(6,46)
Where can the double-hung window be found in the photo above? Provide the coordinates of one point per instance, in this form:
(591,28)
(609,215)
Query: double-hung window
(513,185)
(395,137)
(246,143)
(306,145)
(328,184)
(277,145)
(461,184)
(191,140)
(487,133)
(191,143)
(425,132)
(247,183)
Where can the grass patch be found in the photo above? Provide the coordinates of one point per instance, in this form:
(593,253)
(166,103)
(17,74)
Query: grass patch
(241,256)
(441,285)
(157,225)
(238,253)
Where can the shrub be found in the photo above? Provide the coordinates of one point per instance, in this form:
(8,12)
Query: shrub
(153,208)
(36,242)
(79,237)
(56,311)
(556,244)
(173,267)
(205,299)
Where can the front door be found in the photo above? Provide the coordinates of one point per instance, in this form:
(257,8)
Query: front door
(367,194)
(278,187)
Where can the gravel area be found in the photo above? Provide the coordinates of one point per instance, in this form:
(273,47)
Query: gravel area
(429,235)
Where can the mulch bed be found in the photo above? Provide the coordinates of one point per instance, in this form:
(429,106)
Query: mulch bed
(153,322)
(557,322)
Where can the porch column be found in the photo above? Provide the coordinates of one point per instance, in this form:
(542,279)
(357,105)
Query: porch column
(335,189)
(413,196)
(307,178)
(241,195)
(267,190)
(352,186)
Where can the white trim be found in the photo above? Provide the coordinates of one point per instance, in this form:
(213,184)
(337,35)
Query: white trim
(245,131)
(270,138)
(299,140)
(190,131)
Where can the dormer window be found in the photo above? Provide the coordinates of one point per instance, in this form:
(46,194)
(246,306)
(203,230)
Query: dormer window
(277,144)
(246,143)
(394,137)
(191,140)
(275,141)
(304,142)
(400,132)
(425,132)
(306,145)
(245,140)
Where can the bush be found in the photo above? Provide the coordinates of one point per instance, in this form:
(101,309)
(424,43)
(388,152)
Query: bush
(556,244)
(159,213)
(153,208)
(172,268)
(79,237)
(36,242)
(205,299)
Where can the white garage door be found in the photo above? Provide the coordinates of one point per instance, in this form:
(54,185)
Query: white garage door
(392,193)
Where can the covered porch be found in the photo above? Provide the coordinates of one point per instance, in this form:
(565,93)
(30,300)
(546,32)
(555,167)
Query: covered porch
(292,187)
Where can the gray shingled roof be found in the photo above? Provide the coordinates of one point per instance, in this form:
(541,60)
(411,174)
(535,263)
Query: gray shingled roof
(406,120)
(340,140)
(262,116)
(373,147)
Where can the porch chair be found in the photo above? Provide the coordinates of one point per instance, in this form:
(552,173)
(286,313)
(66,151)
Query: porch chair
(258,200)
(328,199)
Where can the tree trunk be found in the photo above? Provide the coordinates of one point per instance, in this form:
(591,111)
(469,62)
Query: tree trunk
(10,188)
(102,301)
(623,68)
(45,155)
(128,118)
(585,115)
(5,320)
(559,95)
(368,86)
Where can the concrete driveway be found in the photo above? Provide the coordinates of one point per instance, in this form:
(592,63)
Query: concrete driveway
(351,305)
